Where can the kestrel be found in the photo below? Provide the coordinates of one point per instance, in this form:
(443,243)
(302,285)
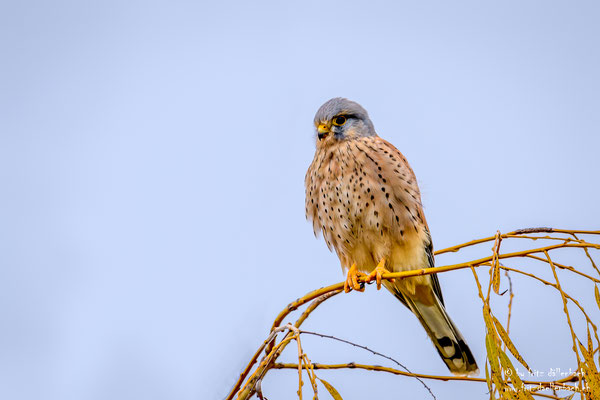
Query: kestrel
(362,194)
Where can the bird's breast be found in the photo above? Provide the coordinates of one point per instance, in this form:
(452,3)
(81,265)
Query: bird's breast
(364,205)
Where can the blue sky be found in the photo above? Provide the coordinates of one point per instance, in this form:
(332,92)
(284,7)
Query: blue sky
(152,157)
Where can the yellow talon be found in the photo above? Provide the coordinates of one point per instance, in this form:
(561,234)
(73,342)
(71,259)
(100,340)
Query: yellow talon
(352,279)
(378,272)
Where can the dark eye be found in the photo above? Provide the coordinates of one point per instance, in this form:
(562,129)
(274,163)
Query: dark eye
(339,120)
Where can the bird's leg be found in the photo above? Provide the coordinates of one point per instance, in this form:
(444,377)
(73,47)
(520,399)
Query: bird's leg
(378,272)
(352,280)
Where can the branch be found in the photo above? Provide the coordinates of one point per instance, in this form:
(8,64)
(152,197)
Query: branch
(272,354)
(352,365)
(273,350)
(408,372)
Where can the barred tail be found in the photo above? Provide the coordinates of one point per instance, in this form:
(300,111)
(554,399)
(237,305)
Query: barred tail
(443,333)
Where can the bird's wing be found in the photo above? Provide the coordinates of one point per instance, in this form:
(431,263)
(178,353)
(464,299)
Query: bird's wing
(392,171)
(394,188)
(434,278)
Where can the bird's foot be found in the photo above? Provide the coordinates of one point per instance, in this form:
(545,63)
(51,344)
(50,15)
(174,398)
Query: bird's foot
(377,273)
(352,280)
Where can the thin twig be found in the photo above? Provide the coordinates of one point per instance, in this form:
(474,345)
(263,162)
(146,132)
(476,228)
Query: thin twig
(569,268)
(566,310)
(587,253)
(369,350)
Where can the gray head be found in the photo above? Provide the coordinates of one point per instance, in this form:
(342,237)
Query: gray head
(342,119)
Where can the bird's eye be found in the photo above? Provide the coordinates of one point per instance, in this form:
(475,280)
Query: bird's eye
(339,120)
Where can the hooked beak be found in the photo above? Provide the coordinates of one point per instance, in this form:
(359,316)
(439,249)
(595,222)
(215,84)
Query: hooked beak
(323,131)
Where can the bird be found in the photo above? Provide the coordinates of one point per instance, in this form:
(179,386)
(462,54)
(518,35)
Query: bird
(363,196)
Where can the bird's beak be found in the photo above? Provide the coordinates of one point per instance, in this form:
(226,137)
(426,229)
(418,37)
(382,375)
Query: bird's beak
(323,131)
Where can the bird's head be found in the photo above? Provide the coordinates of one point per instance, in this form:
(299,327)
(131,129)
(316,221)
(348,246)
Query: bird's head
(342,119)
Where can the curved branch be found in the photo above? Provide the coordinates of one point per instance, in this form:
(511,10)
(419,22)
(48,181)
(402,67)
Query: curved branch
(272,353)
(273,350)
(540,385)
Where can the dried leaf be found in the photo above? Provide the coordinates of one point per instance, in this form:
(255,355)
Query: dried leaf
(589,340)
(496,277)
(590,372)
(586,354)
(492,349)
(507,393)
(511,373)
(496,264)
(488,380)
(597,293)
(487,318)
(334,393)
(509,344)
(492,353)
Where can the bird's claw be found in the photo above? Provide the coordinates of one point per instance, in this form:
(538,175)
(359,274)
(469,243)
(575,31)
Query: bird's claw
(377,273)
(352,280)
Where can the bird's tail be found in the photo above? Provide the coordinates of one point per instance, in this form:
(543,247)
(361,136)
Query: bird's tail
(443,333)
